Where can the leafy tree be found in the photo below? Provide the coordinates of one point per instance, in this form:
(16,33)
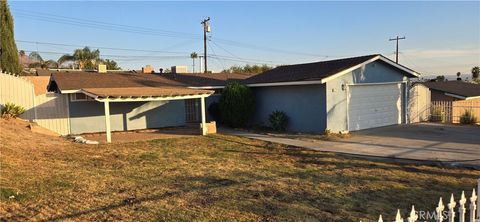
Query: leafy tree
(475,73)
(440,78)
(237,105)
(248,69)
(193,56)
(8,50)
(83,58)
(111,64)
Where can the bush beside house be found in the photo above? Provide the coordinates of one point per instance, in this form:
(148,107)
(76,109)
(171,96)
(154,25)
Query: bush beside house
(468,118)
(10,110)
(237,105)
(278,120)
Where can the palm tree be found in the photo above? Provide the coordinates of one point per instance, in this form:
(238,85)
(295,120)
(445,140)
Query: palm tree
(193,56)
(475,72)
(37,61)
(83,58)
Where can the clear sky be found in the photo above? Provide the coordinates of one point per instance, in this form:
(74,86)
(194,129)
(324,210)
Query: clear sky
(441,37)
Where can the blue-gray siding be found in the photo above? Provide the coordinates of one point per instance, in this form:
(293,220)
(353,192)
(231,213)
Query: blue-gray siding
(314,108)
(89,116)
(304,105)
(375,72)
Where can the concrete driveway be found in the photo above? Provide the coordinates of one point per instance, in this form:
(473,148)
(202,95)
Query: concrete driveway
(435,143)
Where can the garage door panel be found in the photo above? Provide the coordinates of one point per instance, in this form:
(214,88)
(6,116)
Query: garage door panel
(372,106)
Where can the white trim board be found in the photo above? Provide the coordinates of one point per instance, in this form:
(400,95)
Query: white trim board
(147,99)
(376,83)
(461,97)
(379,57)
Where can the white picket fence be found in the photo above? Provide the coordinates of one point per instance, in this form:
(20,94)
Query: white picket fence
(48,110)
(439,215)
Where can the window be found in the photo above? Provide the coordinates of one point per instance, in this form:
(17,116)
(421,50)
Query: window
(191,110)
(77,97)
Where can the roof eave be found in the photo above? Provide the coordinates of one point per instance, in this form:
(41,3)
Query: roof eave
(378,57)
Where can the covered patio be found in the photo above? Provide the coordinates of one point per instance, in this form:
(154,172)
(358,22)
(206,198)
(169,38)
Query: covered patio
(145,94)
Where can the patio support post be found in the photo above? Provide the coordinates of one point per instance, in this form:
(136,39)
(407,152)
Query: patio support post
(107,121)
(202,107)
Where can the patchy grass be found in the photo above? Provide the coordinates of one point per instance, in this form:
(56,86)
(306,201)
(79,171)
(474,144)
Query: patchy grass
(209,178)
(327,136)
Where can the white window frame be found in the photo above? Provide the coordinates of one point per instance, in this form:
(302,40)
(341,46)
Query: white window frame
(73,98)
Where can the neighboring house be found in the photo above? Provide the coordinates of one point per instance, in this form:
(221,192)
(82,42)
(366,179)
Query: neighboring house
(101,102)
(340,95)
(453,90)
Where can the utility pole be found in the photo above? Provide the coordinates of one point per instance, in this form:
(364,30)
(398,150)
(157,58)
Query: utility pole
(206,28)
(396,39)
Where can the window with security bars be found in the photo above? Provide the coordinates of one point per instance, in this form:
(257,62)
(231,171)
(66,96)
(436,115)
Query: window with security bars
(191,110)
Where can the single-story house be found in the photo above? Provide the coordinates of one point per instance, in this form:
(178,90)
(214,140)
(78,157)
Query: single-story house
(101,102)
(340,95)
(453,90)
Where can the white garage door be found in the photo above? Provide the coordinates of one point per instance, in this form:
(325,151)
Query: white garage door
(372,106)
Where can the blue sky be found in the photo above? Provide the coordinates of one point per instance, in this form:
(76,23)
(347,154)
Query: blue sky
(442,37)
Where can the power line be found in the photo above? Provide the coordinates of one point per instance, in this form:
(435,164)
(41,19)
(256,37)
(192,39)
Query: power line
(99,24)
(148,31)
(102,47)
(115,56)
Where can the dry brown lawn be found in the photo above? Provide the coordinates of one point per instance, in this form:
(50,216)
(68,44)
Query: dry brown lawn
(209,178)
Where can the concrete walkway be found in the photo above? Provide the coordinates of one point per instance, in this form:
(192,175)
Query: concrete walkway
(428,143)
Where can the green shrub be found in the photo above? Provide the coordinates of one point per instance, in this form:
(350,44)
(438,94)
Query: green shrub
(237,105)
(437,115)
(214,111)
(278,120)
(10,110)
(468,118)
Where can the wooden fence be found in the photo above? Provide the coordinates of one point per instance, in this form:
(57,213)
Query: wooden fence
(467,210)
(455,111)
(14,89)
(49,110)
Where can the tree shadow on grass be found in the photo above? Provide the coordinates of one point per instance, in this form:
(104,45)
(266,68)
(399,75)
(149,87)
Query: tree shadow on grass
(205,183)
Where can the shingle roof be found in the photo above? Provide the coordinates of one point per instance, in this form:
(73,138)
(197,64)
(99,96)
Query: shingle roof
(206,79)
(77,81)
(145,92)
(310,71)
(40,83)
(460,88)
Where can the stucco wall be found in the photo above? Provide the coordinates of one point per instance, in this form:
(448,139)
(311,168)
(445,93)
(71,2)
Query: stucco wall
(419,103)
(89,116)
(304,105)
(336,106)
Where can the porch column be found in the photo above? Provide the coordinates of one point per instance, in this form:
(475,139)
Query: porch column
(202,107)
(107,120)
